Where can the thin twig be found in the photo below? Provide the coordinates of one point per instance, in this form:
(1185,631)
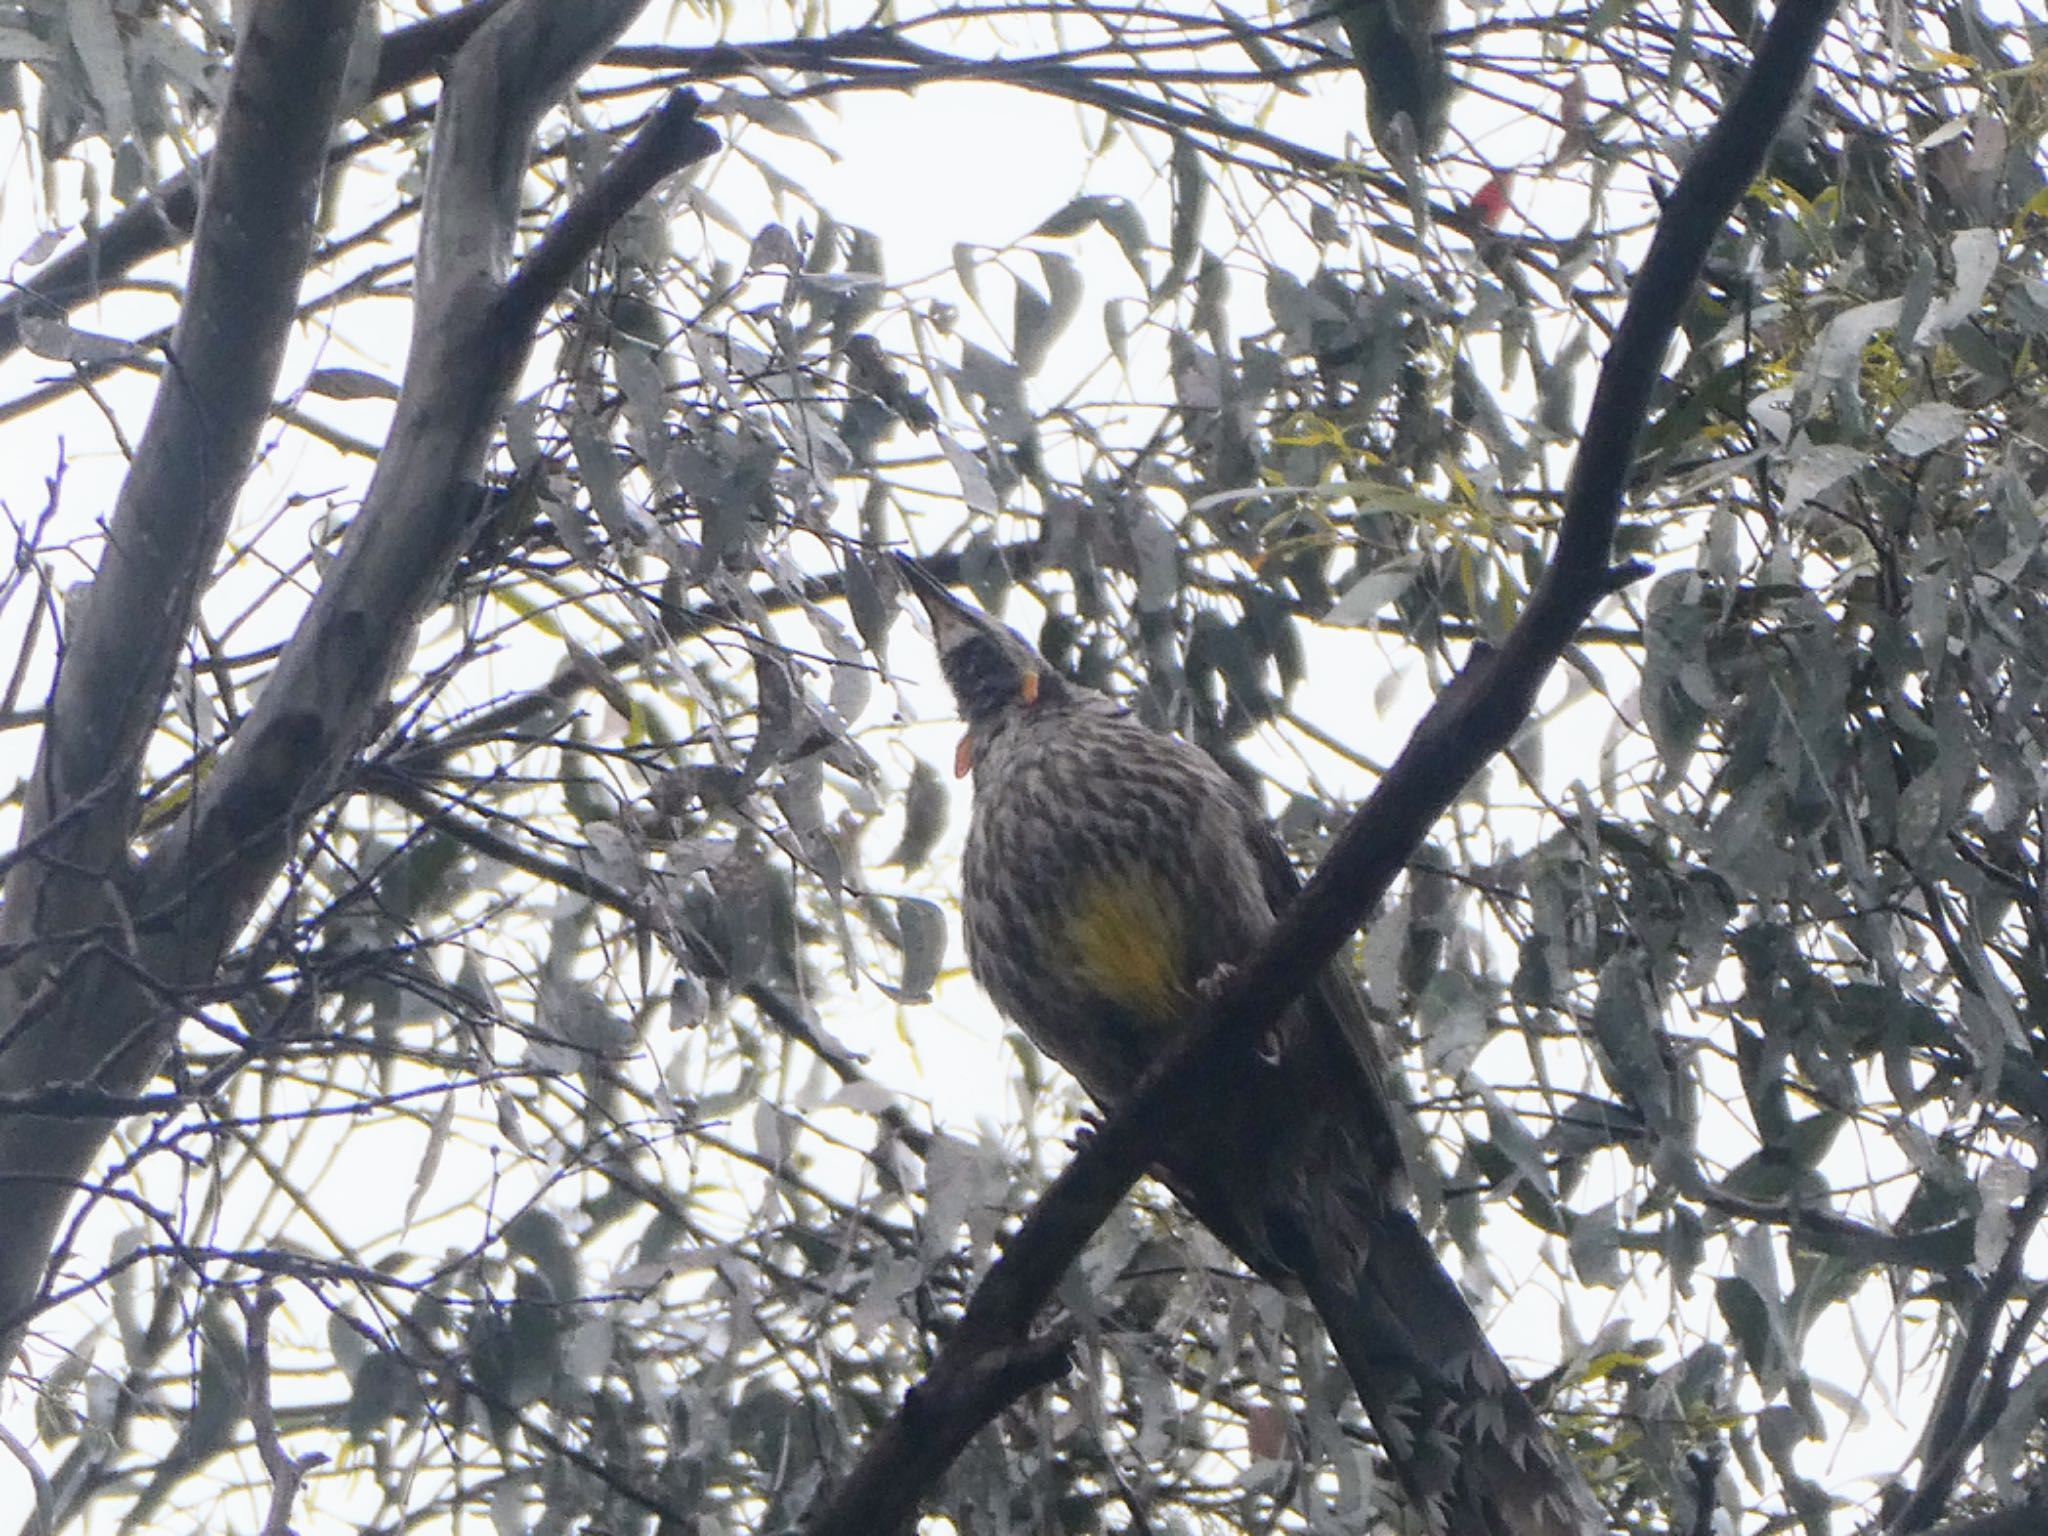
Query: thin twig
(286,1472)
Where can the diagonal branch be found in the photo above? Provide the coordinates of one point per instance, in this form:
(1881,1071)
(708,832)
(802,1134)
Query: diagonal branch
(1473,719)
(321,704)
(174,507)
(2025,1519)
(1959,1423)
(670,139)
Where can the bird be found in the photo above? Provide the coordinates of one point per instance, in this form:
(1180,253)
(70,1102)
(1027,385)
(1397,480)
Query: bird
(1114,877)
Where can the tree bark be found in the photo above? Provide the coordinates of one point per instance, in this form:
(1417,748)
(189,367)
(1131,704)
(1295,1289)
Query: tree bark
(77,1006)
(103,952)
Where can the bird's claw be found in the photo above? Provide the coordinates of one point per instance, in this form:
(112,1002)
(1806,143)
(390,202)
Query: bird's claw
(1084,1133)
(1215,984)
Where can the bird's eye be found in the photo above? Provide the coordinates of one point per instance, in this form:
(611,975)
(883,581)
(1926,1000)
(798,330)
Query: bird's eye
(1027,690)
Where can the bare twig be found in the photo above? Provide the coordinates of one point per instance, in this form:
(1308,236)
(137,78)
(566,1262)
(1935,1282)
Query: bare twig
(286,1472)
(43,1520)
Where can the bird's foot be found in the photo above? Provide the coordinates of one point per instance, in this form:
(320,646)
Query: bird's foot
(1084,1133)
(1215,984)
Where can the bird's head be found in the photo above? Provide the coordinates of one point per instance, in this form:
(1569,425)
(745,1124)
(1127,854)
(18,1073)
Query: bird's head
(991,669)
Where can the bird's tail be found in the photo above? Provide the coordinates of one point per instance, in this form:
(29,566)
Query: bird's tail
(1465,1443)
(1300,1170)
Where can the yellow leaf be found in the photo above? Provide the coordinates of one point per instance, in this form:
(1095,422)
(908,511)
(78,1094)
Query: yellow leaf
(532,612)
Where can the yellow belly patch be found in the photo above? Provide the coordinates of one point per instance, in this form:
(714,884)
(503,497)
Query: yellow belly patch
(1125,941)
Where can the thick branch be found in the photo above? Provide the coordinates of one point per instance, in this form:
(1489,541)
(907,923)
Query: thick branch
(104,1019)
(161,221)
(172,515)
(249,254)
(1473,719)
(320,705)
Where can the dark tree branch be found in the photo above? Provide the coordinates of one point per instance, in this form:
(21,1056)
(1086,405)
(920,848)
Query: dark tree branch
(1943,1249)
(669,140)
(894,62)
(1473,719)
(2027,1519)
(1958,1425)
(1705,1466)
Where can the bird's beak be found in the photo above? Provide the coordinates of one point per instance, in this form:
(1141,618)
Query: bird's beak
(953,622)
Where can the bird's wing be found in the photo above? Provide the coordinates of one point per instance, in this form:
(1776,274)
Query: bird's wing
(1336,1005)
